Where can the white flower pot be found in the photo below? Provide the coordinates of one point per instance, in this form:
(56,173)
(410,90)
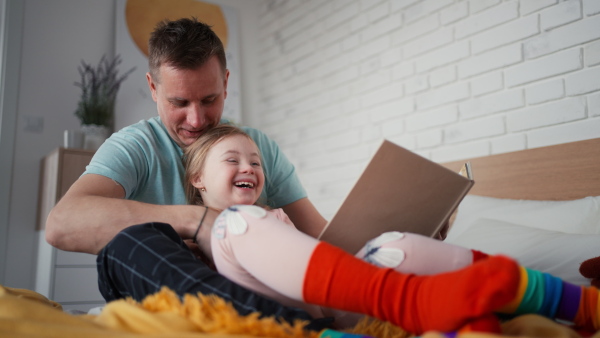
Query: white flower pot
(94,136)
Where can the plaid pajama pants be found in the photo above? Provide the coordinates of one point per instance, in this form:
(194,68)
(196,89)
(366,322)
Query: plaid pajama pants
(143,258)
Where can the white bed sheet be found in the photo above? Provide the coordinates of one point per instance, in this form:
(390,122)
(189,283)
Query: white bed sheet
(550,236)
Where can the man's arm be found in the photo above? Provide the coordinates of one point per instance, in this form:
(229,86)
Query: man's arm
(94,210)
(305,217)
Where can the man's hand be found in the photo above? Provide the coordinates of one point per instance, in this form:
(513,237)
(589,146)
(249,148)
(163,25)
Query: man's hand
(193,247)
(94,210)
(198,253)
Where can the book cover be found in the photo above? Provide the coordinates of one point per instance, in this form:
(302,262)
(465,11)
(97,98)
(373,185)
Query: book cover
(398,191)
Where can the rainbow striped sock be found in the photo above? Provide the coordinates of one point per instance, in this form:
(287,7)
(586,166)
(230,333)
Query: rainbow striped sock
(544,294)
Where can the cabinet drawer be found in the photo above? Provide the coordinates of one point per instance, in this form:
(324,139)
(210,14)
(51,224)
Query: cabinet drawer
(76,285)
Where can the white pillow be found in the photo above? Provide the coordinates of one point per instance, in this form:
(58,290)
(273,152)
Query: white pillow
(580,216)
(557,253)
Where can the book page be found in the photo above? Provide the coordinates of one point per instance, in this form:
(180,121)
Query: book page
(465,170)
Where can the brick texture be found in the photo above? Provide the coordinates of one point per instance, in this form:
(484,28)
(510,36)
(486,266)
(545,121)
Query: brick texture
(448,79)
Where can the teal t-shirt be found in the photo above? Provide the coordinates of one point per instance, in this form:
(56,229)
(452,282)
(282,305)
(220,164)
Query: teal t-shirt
(146,162)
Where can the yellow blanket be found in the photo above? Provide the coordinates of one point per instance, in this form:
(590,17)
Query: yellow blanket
(24,313)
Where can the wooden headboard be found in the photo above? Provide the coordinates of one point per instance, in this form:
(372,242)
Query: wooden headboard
(560,172)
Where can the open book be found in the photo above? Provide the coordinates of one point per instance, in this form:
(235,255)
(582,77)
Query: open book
(398,191)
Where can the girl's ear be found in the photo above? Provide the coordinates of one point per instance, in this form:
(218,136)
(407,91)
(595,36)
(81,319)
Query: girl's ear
(197,182)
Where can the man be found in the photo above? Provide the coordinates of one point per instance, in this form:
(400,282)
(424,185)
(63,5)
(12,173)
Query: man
(136,176)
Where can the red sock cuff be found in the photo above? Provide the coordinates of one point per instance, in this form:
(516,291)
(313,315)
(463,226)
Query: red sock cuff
(339,280)
(328,274)
(319,277)
(478,255)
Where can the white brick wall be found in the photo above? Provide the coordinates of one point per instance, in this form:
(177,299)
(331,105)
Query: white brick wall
(448,79)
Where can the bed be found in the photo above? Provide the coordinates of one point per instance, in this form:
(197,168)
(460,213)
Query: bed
(539,205)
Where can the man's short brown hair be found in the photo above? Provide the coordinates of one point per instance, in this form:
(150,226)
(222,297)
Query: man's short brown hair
(183,44)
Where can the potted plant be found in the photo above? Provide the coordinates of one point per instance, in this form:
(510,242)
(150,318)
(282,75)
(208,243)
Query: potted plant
(99,86)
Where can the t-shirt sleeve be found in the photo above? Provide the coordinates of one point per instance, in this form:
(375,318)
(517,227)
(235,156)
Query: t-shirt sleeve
(282,185)
(118,160)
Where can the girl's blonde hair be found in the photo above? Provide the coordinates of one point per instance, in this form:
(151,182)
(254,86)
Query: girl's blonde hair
(194,157)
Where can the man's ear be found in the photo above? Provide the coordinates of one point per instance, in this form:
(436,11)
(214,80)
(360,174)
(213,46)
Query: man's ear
(225,83)
(151,85)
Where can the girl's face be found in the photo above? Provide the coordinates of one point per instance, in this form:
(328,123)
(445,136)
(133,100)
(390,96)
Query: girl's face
(232,173)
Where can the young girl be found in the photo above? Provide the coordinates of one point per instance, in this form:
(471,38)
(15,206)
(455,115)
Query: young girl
(261,250)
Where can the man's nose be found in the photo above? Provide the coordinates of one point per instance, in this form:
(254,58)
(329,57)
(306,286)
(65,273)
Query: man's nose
(196,117)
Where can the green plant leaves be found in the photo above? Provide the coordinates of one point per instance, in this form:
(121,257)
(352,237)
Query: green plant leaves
(99,86)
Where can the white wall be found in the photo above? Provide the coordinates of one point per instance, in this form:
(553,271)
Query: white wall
(448,79)
(248,14)
(9,56)
(56,35)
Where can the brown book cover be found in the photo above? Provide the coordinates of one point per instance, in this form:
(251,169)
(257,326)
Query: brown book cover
(398,191)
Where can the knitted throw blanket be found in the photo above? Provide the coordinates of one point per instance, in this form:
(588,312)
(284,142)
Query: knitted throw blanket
(25,313)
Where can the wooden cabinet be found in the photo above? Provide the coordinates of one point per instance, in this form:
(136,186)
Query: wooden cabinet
(61,168)
(69,278)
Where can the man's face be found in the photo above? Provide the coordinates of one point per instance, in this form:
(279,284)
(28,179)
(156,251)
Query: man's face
(189,101)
